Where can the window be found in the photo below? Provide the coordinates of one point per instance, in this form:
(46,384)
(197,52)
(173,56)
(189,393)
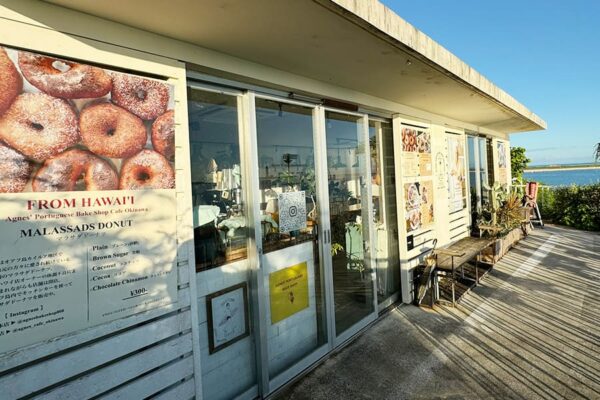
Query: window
(220,226)
(286,167)
(480,172)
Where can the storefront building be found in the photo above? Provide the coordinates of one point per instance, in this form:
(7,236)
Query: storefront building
(295,162)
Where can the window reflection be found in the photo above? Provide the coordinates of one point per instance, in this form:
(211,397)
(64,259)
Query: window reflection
(480,173)
(384,207)
(220,231)
(287,174)
(346,167)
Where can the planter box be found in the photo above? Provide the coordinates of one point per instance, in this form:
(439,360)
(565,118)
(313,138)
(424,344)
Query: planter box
(501,246)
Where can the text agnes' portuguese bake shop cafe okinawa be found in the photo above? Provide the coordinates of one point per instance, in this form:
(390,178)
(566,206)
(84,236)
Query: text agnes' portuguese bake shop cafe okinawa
(194,210)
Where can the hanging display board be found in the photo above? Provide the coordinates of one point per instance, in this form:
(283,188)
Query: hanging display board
(417,172)
(502,151)
(457,180)
(419,205)
(87,197)
(416,152)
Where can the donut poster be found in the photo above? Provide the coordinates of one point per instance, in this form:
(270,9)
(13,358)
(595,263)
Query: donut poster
(87,196)
(416,153)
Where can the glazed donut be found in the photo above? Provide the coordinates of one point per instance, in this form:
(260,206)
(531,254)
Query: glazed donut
(63,173)
(39,126)
(14,170)
(11,82)
(163,135)
(144,97)
(146,170)
(66,79)
(111,131)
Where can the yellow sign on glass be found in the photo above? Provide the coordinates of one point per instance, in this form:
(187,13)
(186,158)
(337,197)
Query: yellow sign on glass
(289,291)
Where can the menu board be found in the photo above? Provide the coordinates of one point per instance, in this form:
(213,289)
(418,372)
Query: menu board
(417,166)
(416,153)
(87,197)
(419,205)
(457,181)
(502,151)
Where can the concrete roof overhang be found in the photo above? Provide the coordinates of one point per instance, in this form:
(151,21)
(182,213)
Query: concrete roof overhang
(359,45)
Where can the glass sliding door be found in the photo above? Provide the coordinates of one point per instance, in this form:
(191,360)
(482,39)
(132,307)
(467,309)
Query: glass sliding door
(296,321)
(480,174)
(227,341)
(347,157)
(383,184)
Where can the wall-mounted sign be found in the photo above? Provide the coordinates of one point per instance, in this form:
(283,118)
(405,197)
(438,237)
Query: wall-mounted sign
(419,205)
(416,153)
(457,180)
(288,291)
(502,162)
(440,171)
(227,312)
(87,198)
(292,211)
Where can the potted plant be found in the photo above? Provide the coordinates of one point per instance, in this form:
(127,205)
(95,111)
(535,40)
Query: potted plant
(501,220)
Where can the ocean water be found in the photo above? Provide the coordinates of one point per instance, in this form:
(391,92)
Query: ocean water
(565,177)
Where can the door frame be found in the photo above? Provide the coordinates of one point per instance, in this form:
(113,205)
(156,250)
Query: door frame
(258,290)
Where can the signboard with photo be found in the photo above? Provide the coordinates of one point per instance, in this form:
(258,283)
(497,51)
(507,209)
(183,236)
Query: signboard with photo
(419,205)
(227,312)
(87,196)
(457,180)
(416,152)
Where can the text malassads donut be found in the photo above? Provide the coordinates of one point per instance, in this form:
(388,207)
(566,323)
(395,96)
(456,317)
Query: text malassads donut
(111,131)
(163,135)
(39,126)
(64,172)
(11,82)
(14,170)
(146,170)
(62,78)
(144,97)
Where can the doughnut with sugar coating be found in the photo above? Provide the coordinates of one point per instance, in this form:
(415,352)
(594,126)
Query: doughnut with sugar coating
(61,78)
(147,170)
(14,170)
(111,131)
(63,173)
(11,82)
(163,135)
(39,126)
(144,97)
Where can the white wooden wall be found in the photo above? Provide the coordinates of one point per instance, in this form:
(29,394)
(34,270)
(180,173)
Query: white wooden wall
(151,354)
(448,227)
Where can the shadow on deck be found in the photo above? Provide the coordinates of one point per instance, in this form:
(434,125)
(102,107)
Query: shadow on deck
(530,330)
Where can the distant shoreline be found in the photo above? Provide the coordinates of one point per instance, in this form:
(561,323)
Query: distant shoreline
(561,168)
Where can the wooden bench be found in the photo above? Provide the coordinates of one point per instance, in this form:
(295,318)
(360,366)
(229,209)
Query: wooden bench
(448,261)
(455,256)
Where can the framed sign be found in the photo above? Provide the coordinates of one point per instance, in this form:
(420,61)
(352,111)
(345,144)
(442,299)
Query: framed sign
(227,314)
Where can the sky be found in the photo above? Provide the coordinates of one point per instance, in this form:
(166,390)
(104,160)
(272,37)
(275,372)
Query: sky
(545,53)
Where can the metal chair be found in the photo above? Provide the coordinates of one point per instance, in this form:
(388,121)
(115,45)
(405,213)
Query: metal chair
(530,200)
